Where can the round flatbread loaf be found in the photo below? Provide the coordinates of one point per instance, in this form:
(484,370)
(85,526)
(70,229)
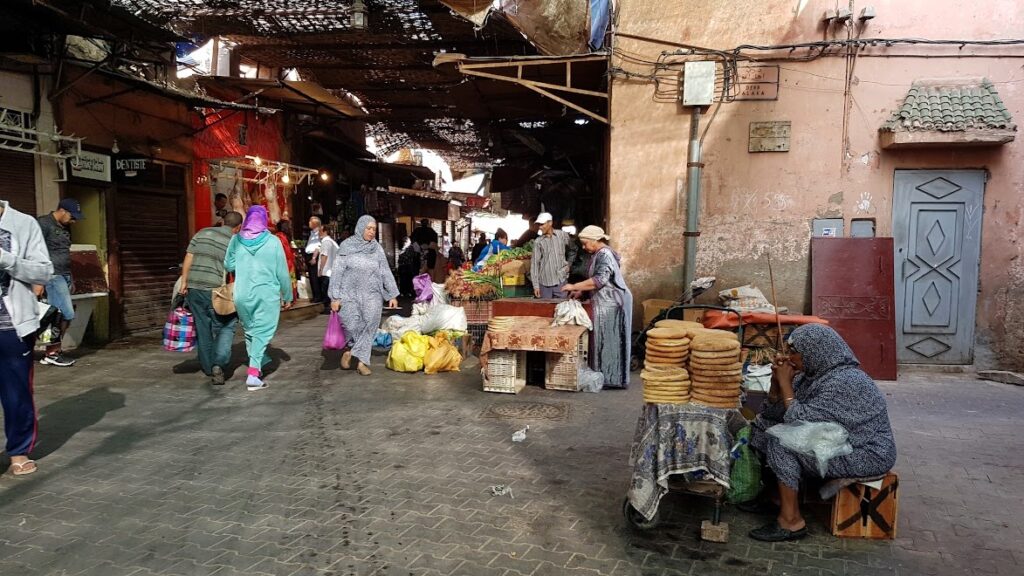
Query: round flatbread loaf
(674,344)
(710,333)
(678,385)
(666,397)
(717,379)
(711,404)
(714,345)
(656,365)
(673,401)
(681,324)
(663,367)
(703,355)
(700,363)
(716,373)
(734,393)
(666,334)
(662,356)
(656,376)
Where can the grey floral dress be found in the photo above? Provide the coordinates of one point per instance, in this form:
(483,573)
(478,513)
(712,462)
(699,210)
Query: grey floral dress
(613,316)
(361,280)
(832,388)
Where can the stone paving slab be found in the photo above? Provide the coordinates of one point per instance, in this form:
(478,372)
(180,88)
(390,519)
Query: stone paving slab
(146,469)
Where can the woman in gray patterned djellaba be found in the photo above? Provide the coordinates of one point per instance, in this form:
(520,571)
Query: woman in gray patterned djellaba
(820,381)
(361,281)
(613,308)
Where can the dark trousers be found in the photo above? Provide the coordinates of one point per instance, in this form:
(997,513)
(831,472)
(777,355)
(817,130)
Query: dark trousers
(214,333)
(325,284)
(317,290)
(16,392)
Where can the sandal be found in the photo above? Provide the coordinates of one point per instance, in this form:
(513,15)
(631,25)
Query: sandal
(775,533)
(18,468)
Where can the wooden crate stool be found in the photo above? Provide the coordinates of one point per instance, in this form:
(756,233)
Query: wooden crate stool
(865,509)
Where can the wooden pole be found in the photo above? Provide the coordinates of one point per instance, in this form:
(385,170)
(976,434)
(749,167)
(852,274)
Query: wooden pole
(780,343)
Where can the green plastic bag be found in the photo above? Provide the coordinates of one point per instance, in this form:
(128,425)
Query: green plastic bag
(745,476)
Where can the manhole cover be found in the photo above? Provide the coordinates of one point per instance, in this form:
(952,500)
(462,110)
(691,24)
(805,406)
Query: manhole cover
(527,411)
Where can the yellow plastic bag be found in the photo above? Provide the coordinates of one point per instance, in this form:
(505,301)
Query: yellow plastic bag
(407,354)
(417,343)
(401,360)
(442,357)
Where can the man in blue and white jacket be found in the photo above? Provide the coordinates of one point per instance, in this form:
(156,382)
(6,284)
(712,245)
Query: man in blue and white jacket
(24,262)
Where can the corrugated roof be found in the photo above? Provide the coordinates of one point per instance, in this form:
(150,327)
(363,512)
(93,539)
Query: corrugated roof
(953,105)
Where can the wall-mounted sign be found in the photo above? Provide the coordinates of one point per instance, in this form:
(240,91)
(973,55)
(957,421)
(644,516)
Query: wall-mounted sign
(91,166)
(769,136)
(757,82)
(130,167)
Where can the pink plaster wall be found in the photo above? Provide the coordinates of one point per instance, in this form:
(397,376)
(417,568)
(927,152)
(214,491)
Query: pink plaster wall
(756,203)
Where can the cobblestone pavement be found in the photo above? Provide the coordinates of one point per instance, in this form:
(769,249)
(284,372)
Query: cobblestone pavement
(146,469)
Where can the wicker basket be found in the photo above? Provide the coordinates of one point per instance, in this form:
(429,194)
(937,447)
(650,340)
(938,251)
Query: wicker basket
(562,371)
(477,311)
(506,371)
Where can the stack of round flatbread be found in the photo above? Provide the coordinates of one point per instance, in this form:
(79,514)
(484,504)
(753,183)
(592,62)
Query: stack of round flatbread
(500,324)
(666,347)
(686,325)
(666,385)
(716,370)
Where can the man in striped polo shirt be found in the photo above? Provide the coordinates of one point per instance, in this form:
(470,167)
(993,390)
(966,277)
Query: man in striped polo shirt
(553,251)
(202,272)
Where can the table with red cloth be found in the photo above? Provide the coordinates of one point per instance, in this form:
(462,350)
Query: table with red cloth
(532,334)
(759,328)
(532,307)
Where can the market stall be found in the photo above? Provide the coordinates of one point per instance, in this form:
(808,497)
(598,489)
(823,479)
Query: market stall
(510,338)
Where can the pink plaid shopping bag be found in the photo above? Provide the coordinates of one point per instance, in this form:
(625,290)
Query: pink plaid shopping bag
(180,331)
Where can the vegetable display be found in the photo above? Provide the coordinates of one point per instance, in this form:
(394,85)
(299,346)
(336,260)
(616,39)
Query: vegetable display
(465,284)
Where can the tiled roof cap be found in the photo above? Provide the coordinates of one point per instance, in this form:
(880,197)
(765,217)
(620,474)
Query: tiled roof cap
(951,105)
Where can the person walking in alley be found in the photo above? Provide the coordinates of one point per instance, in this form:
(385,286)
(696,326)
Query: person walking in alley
(553,251)
(360,282)
(284,234)
(24,262)
(479,247)
(261,285)
(56,227)
(201,273)
(313,252)
(328,249)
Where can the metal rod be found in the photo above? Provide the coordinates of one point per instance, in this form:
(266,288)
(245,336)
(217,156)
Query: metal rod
(779,342)
(693,172)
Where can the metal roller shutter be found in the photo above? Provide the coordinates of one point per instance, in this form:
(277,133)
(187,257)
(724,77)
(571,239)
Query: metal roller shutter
(18,180)
(148,231)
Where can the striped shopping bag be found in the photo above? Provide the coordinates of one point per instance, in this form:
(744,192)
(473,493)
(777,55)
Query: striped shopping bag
(180,331)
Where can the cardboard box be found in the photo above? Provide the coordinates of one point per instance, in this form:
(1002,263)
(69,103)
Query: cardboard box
(654,306)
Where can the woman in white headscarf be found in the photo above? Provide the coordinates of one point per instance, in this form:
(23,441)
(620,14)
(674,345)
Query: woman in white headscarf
(361,281)
(613,308)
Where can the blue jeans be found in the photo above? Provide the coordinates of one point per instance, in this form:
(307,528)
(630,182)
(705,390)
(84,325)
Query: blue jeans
(16,392)
(58,294)
(214,333)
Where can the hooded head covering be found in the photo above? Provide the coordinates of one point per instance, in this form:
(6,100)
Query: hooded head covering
(255,223)
(355,244)
(593,233)
(822,348)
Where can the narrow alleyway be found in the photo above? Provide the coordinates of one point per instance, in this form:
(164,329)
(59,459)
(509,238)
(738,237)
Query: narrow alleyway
(146,469)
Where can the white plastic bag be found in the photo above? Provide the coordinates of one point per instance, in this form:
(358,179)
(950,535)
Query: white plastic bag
(440,294)
(821,440)
(397,326)
(745,299)
(571,312)
(758,378)
(444,317)
(590,380)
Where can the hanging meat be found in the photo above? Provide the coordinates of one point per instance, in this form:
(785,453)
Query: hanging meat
(236,199)
(270,193)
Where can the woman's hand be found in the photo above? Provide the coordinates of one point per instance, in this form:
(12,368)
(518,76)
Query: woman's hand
(335,305)
(783,374)
(568,288)
(393,303)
